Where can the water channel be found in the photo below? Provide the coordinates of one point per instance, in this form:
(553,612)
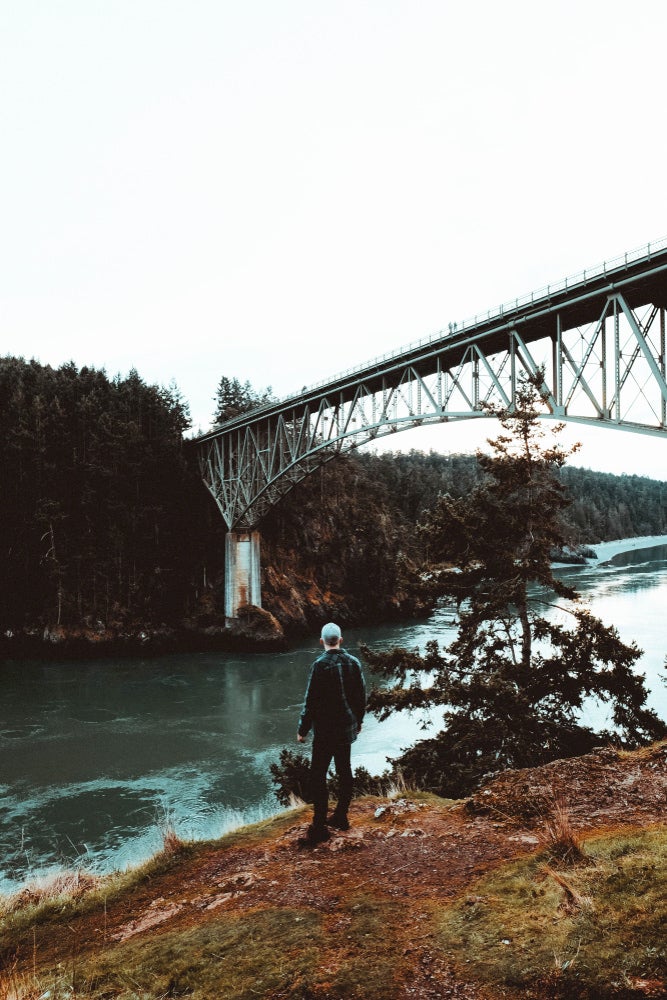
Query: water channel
(96,757)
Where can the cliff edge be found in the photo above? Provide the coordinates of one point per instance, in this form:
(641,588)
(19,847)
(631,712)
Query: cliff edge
(548,882)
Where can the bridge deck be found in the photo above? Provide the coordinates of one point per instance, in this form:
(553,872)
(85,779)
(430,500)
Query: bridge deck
(578,301)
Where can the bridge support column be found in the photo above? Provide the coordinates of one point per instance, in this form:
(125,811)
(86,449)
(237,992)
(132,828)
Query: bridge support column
(242,571)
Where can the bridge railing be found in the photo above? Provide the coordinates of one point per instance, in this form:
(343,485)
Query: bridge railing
(535,297)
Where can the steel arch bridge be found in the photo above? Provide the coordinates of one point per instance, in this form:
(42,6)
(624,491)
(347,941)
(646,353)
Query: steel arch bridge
(599,336)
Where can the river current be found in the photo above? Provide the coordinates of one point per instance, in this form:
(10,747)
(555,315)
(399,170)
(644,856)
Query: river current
(97,758)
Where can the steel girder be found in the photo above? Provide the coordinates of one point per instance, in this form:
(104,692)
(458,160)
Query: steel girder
(602,353)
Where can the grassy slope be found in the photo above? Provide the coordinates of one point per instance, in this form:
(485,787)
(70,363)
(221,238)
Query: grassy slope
(422,895)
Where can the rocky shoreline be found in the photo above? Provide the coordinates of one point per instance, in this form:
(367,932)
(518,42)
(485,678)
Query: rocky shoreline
(255,630)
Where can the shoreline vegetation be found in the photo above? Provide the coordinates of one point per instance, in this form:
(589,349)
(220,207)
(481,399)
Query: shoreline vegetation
(254,631)
(547,882)
(257,629)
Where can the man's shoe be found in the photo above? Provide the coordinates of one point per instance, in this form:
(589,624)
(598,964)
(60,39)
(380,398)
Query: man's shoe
(338,822)
(314,835)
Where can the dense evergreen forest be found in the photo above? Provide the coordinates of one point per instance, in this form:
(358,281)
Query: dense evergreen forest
(105,526)
(96,501)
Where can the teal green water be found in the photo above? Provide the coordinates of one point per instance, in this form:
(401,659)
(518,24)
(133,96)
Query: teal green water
(96,756)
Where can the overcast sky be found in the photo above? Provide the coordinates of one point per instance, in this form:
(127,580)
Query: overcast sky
(278,190)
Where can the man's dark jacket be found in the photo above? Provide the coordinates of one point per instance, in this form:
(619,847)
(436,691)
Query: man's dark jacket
(335,699)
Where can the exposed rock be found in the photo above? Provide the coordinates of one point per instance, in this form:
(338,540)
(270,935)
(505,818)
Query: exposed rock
(157,913)
(258,626)
(255,630)
(605,780)
(298,602)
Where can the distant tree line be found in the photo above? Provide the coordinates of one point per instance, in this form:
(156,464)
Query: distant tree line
(350,529)
(104,520)
(604,506)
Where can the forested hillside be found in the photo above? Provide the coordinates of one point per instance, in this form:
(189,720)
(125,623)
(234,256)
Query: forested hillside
(604,506)
(105,526)
(97,500)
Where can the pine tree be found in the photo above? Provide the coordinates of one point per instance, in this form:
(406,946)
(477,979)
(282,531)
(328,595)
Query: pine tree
(232,399)
(513,683)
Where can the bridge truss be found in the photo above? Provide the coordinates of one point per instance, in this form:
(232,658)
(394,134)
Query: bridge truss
(598,337)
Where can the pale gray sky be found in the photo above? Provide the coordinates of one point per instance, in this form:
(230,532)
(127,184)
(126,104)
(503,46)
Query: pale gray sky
(280,189)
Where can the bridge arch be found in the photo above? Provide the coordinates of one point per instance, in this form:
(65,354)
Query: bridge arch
(599,337)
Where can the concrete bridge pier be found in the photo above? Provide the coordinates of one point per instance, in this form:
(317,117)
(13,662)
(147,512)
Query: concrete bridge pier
(242,571)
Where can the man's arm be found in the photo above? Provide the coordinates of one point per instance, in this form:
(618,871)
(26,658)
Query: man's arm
(306,717)
(358,691)
(362,698)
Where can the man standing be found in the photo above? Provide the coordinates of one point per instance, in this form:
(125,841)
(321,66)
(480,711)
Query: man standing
(334,706)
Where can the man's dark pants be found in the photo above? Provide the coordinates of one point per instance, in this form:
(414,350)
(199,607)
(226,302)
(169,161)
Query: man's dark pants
(324,751)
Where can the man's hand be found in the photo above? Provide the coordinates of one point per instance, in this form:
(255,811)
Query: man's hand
(300,739)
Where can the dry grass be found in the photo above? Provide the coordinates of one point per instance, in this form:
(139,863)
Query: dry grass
(60,885)
(574,901)
(15,985)
(559,838)
(268,952)
(171,842)
(398,787)
(545,925)
(71,893)
(590,932)
(653,751)
(235,958)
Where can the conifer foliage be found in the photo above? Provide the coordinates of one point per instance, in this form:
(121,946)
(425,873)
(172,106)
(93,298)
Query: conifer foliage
(514,681)
(95,497)
(233,398)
